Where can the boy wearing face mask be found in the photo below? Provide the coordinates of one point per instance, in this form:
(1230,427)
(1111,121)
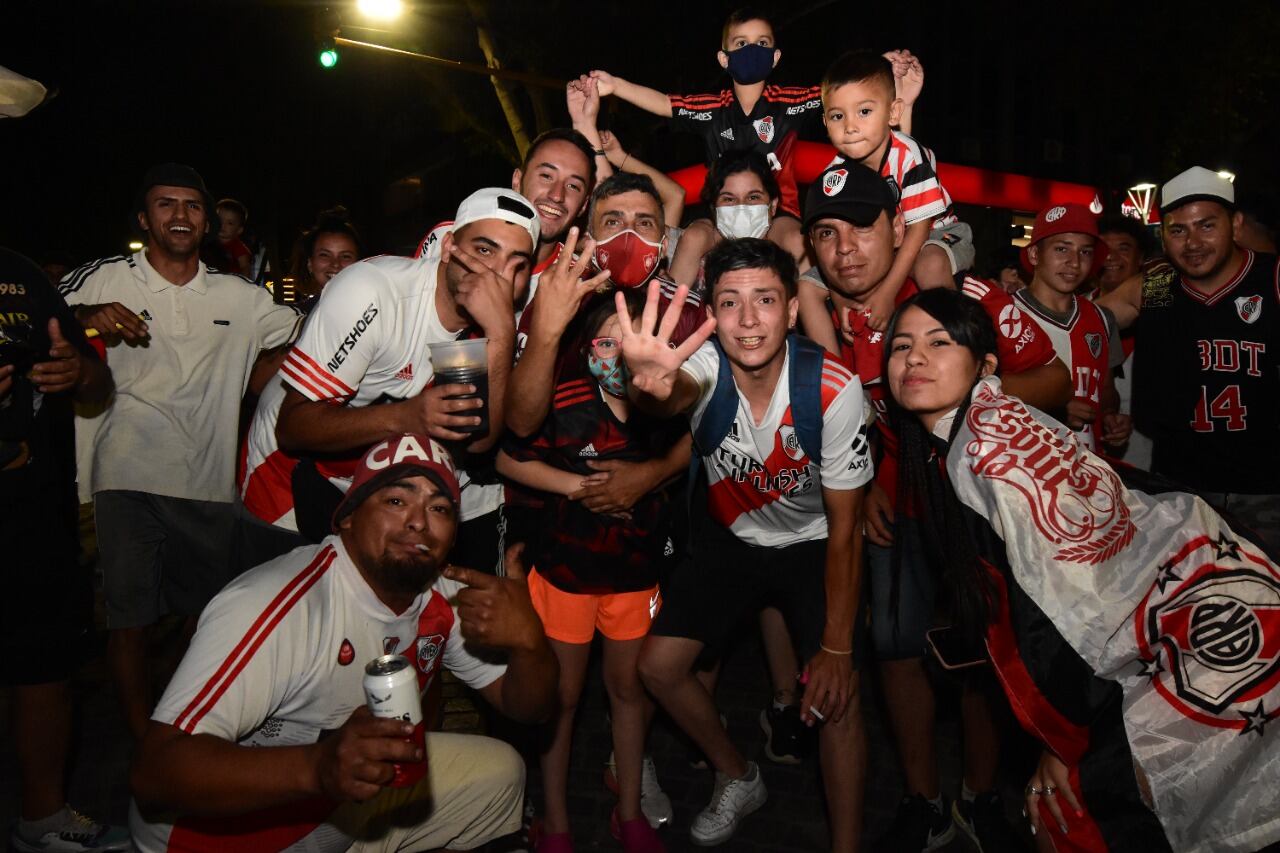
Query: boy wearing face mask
(752,116)
(743,195)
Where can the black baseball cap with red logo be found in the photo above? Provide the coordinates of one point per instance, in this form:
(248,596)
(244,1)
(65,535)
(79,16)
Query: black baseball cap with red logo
(407,455)
(851,192)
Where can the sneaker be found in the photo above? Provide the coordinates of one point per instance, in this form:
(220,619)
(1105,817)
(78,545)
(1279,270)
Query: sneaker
(71,833)
(918,826)
(983,821)
(636,835)
(787,739)
(731,801)
(654,802)
(698,761)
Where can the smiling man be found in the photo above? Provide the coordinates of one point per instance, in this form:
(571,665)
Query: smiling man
(262,740)
(1207,379)
(780,431)
(181,341)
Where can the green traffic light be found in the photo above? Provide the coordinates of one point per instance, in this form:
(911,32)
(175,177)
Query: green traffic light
(328,58)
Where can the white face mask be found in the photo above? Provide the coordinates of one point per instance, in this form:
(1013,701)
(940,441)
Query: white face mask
(742,220)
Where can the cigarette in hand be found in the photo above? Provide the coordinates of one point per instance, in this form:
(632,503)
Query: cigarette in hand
(817,713)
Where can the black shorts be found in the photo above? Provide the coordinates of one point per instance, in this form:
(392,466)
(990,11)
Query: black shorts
(46,608)
(725,579)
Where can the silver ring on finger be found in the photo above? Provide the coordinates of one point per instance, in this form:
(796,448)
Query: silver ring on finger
(1033,791)
(1049,790)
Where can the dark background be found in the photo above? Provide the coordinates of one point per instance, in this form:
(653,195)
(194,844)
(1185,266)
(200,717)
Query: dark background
(1101,93)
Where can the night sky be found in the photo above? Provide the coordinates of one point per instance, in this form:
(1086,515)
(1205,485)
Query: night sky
(235,89)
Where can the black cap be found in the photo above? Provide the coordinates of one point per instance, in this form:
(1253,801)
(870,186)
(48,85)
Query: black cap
(849,191)
(172,175)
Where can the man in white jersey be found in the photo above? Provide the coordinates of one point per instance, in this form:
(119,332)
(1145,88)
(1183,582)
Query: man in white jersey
(361,371)
(262,740)
(777,526)
(181,340)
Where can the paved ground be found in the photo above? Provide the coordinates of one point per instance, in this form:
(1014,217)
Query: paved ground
(793,820)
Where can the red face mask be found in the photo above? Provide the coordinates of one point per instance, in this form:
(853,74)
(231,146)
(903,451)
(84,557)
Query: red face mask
(630,259)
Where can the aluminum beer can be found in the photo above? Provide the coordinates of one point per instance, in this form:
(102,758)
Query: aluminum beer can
(391,692)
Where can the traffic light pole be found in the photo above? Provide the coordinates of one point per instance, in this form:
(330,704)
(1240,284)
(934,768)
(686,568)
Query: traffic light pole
(469,67)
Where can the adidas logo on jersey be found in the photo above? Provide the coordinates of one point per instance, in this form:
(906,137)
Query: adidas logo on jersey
(727,133)
(733,431)
(669,548)
(589,450)
(405,374)
(146,315)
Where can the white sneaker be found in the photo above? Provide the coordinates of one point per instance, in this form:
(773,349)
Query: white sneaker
(731,801)
(74,833)
(654,802)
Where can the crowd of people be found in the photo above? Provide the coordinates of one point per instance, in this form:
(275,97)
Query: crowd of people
(803,409)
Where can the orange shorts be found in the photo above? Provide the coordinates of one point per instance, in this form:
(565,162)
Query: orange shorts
(572,617)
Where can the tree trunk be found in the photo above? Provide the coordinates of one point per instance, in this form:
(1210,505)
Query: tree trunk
(504,91)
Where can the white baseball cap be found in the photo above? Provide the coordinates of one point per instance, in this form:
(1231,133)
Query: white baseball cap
(1196,184)
(499,203)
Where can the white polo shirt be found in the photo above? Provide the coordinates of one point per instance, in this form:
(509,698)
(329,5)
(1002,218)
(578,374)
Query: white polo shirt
(172,427)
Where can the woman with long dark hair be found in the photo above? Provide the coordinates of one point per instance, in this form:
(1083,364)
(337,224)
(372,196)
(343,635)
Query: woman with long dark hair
(1135,634)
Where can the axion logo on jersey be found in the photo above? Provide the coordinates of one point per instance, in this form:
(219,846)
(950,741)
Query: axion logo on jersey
(860,447)
(405,374)
(346,653)
(764,128)
(1249,308)
(1209,633)
(1010,322)
(1093,340)
(389,645)
(790,442)
(429,649)
(1055,214)
(834,181)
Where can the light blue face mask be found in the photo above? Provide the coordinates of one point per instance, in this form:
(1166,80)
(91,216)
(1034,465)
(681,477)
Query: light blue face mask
(610,372)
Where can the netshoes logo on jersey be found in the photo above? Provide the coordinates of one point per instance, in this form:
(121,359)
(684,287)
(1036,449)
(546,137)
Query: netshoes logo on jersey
(349,342)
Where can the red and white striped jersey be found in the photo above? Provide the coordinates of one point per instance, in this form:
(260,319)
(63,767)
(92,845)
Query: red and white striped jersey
(278,658)
(365,342)
(1083,342)
(908,165)
(762,485)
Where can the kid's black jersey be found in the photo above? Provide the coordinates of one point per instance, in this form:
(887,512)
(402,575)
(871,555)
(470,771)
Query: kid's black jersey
(1207,378)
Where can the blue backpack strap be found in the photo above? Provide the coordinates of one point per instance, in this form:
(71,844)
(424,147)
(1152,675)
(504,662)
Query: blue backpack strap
(718,417)
(804,359)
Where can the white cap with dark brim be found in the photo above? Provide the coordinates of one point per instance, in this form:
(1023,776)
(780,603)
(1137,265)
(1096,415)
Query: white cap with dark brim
(499,203)
(1196,184)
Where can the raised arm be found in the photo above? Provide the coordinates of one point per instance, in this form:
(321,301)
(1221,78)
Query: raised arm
(582,97)
(672,193)
(658,385)
(560,292)
(650,100)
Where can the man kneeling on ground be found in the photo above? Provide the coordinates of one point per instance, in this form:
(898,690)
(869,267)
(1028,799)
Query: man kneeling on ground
(278,663)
